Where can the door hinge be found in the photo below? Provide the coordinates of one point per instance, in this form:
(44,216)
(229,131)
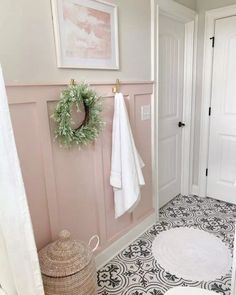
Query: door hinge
(207,172)
(213,41)
(209,111)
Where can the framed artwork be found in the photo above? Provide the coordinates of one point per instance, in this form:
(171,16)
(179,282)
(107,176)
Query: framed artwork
(86,34)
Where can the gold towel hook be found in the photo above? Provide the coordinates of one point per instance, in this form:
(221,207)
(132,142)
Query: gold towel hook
(72,82)
(116,88)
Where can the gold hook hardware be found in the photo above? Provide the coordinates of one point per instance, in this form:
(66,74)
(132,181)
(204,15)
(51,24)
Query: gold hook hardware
(116,88)
(72,82)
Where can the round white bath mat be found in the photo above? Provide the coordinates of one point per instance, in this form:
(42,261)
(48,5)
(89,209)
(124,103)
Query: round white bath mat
(192,254)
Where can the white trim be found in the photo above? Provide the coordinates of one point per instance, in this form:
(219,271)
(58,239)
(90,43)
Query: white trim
(191,179)
(195,190)
(210,18)
(116,247)
(190,19)
(188,106)
(176,11)
(154,77)
(91,83)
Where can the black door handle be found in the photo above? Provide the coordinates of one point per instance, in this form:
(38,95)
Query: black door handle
(181,124)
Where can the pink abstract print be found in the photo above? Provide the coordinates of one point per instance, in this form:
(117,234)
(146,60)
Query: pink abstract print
(87,32)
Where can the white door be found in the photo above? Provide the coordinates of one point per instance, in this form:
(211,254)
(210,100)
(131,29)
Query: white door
(171,71)
(221,182)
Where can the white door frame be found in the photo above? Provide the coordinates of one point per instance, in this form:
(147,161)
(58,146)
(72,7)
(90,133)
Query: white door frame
(190,19)
(210,18)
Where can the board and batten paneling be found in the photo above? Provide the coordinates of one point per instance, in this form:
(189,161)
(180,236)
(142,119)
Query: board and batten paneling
(69,188)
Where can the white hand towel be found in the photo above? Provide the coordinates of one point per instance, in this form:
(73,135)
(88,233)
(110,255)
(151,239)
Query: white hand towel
(126,174)
(16,229)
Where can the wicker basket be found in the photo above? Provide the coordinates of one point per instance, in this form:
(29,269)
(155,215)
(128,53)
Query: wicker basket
(68,267)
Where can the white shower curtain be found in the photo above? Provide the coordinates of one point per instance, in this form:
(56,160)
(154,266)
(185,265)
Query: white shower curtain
(14,214)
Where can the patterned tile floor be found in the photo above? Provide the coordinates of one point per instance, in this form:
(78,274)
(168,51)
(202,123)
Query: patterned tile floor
(135,272)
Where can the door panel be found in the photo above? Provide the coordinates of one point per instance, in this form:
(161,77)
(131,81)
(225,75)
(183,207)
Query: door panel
(222,147)
(171,69)
(168,173)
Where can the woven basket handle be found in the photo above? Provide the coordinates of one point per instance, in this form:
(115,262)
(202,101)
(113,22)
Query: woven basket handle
(97,244)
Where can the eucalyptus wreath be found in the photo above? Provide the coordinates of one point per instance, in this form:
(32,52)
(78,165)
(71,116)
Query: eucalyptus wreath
(88,131)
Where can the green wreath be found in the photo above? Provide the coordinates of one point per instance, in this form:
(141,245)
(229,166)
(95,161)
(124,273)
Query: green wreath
(92,124)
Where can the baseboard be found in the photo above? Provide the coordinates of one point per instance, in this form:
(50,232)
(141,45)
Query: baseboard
(116,247)
(195,190)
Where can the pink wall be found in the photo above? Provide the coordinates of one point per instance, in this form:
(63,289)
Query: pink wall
(70,188)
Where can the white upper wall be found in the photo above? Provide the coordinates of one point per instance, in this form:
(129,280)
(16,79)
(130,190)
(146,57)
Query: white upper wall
(188,3)
(203,5)
(27,51)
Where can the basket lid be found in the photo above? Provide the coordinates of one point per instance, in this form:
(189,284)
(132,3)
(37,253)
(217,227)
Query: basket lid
(64,257)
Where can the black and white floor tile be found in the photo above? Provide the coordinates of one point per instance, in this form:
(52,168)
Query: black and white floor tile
(135,271)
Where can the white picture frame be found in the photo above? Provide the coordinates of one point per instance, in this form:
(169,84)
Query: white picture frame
(86,34)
